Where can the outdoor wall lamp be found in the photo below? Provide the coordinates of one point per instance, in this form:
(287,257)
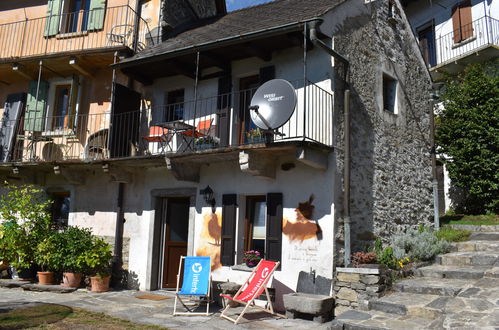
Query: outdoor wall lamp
(208,197)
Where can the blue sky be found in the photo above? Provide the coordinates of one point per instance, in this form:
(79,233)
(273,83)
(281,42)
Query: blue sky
(238,4)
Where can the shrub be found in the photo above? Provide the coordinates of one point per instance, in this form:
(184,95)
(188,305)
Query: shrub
(77,241)
(49,253)
(98,257)
(453,235)
(359,258)
(386,257)
(420,244)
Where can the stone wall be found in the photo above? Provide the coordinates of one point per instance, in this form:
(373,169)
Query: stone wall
(391,164)
(125,251)
(355,286)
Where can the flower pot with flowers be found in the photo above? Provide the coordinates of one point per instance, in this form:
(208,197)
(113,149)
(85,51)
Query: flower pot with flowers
(205,142)
(252,258)
(254,136)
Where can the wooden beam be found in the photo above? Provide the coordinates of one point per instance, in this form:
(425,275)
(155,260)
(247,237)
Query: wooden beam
(297,40)
(74,63)
(255,51)
(217,60)
(213,75)
(21,70)
(183,69)
(140,77)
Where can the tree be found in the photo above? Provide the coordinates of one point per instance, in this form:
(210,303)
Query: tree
(467,136)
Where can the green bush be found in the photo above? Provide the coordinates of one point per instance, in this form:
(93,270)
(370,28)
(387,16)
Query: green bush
(49,253)
(98,257)
(422,245)
(76,242)
(386,257)
(453,235)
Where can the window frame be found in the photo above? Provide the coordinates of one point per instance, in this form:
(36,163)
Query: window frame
(389,89)
(251,202)
(52,104)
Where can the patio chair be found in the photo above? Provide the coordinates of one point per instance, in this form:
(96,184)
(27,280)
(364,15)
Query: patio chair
(196,283)
(158,134)
(202,129)
(252,289)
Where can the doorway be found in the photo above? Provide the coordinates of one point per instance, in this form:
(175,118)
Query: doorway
(175,221)
(247,87)
(426,38)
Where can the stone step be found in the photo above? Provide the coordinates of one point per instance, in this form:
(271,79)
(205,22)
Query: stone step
(405,303)
(475,246)
(454,272)
(376,320)
(474,228)
(484,236)
(467,259)
(432,286)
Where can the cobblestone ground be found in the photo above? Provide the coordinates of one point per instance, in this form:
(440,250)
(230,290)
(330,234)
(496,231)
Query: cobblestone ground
(123,304)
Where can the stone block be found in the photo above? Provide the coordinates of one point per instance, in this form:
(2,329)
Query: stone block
(370,279)
(348,277)
(347,284)
(321,307)
(375,288)
(347,294)
(358,286)
(342,302)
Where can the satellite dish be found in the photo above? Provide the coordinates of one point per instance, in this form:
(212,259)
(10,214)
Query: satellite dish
(273,104)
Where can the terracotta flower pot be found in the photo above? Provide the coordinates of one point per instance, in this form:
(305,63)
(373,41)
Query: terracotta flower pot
(99,284)
(45,278)
(71,280)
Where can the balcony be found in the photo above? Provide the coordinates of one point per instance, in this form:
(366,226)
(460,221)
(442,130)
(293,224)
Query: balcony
(207,126)
(69,33)
(479,37)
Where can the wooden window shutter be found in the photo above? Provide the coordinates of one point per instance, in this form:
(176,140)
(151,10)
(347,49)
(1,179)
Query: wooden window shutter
(35,106)
(273,240)
(462,23)
(466,20)
(228,242)
(267,73)
(54,8)
(224,89)
(97,11)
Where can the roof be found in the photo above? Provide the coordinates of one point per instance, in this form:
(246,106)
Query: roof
(238,24)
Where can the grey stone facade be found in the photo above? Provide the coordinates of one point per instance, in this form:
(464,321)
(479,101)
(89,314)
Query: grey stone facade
(391,165)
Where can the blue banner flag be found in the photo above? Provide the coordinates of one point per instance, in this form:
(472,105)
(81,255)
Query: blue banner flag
(196,276)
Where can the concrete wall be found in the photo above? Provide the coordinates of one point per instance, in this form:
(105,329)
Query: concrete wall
(390,169)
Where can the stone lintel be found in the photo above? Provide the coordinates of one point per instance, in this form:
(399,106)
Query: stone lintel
(374,271)
(259,164)
(312,157)
(184,171)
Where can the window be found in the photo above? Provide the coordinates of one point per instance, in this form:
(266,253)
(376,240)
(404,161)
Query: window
(461,21)
(255,230)
(174,109)
(262,227)
(389,93)
(61,107)
(75,18)
(60,207)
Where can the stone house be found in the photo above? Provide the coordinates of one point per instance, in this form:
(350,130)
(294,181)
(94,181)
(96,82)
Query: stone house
(182,124)
(451,35)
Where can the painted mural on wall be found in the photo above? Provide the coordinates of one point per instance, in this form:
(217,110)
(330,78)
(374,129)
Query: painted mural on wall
(302,228)
(209,240)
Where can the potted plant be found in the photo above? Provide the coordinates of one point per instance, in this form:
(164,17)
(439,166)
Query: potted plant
(205,142)
(255,136)
(26,212)
(76,242)
(49,256)
(252,258)
(98,258)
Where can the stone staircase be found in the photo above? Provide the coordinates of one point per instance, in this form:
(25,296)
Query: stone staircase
(461,290)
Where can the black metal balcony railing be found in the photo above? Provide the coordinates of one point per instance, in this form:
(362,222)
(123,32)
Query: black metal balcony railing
(209,123)
(74,32)
(461,42)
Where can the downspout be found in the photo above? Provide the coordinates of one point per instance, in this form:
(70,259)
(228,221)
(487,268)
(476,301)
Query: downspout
(346,116)
(436,215)
(118,238)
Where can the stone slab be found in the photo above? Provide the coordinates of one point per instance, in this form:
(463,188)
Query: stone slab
(374,271)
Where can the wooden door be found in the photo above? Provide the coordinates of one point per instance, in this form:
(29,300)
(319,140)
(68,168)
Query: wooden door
(176,219)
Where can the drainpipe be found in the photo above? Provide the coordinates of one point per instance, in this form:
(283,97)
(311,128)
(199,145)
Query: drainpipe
(346,116)
(118,238)
(436,216)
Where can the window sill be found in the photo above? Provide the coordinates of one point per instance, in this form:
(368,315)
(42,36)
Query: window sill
(464,42)
(242,267)
(71,35)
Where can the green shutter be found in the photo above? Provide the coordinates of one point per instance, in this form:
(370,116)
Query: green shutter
(96,14)
(35,107)
(53,17)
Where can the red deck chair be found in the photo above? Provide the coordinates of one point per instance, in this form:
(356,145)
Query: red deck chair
(158,134)
(253,288)
(202,128)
